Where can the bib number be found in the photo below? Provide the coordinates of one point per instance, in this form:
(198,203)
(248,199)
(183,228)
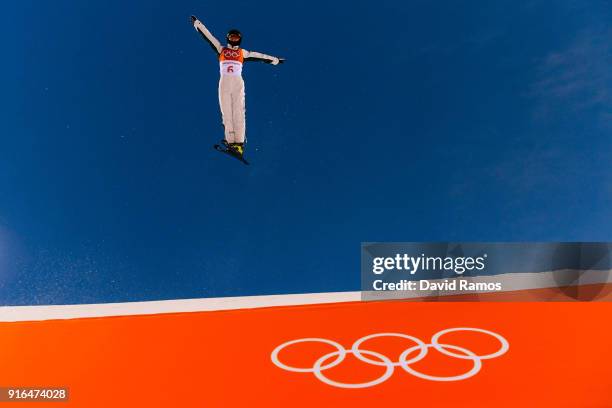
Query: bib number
(231,68)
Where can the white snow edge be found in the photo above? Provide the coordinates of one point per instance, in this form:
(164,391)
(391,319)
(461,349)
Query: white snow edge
(511,282)
(53,312)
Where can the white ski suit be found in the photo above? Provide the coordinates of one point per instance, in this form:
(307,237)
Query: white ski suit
(231,84)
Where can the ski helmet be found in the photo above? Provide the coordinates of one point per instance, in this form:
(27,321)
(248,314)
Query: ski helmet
(234,37)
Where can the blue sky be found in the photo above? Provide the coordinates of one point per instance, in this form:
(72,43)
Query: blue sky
(394,121)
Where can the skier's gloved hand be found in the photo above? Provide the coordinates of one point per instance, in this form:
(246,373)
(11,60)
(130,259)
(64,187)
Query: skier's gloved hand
(193,19)
(277,61)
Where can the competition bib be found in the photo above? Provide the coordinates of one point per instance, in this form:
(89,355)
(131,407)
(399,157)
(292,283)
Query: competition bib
(230,61)
(230,68)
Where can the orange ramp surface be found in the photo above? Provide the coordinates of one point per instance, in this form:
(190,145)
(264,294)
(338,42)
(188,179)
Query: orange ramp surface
(559,356)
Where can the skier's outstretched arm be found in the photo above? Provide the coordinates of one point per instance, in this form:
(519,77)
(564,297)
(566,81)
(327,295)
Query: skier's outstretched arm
(258,56)
(210,39)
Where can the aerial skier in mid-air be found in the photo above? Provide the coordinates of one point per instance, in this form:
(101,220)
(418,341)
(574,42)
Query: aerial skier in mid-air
(231,85)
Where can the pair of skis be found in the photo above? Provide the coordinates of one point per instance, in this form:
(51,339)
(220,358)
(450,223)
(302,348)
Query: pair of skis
(224,149)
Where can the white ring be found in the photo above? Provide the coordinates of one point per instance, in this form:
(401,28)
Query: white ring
(472,372)
(318,370)
(341,355)
(504,343)
(357,352)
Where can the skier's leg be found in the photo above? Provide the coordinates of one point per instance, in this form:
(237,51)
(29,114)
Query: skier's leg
(225,103)
(239,112)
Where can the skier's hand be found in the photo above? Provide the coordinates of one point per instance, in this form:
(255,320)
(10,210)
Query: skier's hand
(277,61)
(193,19)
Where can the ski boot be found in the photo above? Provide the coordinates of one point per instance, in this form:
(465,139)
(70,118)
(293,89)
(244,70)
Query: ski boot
(236,148)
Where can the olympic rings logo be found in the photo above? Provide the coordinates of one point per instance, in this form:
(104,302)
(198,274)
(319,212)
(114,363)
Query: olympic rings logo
(379,359)
(231,53)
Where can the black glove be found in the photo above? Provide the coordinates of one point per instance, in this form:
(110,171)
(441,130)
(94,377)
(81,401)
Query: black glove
(280,61)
